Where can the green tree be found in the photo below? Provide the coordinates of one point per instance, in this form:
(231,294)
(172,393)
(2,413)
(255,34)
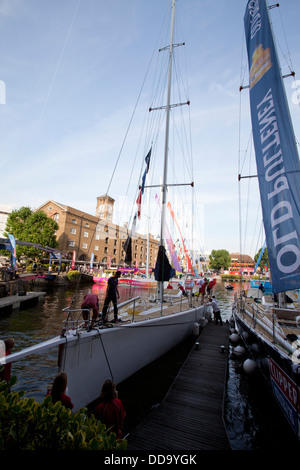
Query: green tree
(264,259)
(34,227)
(219,259)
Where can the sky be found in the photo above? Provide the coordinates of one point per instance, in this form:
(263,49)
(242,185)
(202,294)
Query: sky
(70,76)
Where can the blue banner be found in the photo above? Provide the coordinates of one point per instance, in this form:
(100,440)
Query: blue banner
(92,260)
(12,242)
(260,256)
(276,152)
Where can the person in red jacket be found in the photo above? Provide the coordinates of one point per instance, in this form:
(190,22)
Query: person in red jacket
(111,411)
(5,374)
(90,301)
(58,391)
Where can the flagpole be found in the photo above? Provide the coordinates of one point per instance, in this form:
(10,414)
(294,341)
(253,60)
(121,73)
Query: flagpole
(164,188)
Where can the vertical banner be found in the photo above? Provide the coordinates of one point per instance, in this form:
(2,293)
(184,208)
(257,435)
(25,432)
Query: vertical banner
(171,247)
(277,158)
(190,267)
(13,250)
(260,256)
(73,260)
(92,260)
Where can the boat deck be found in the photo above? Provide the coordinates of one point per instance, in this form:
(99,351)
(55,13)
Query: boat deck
(191,416)
(286,325)
(144,310)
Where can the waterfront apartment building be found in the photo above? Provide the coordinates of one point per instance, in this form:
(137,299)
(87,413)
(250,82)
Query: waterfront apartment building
(5,211)
(240,262)
(86,234)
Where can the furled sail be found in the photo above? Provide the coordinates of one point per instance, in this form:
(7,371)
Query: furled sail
(276,152)
(163,270)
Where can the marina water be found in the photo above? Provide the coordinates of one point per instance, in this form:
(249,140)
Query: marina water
(251,415)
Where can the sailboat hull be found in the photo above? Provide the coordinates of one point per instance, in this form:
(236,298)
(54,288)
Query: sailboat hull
(127,281)
(281,373)
(138,282)
(118,352)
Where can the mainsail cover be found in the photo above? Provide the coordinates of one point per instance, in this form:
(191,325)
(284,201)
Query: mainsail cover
(276,152)
(163,271)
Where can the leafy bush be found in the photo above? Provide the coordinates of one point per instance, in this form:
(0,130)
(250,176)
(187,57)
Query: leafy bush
(26,424)
(73,275)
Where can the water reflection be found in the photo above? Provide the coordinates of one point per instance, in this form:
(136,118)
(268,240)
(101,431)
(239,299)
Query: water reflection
(31,326)
(249,410)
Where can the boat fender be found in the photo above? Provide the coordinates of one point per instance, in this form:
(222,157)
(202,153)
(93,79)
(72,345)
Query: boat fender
(245,335)
(239,351)
(203,322)
(234,338)
(249,366)
(254,349)
(196,329)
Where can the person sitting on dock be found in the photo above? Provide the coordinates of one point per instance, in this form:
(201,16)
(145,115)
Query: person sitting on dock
(5,374)
(111,296)
(90,301)
(58,391)
(111,411)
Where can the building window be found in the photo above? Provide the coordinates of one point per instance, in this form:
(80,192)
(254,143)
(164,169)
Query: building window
(97,237)
(84,246)
(86,225)
(73,231)
(74,221)
(85,234)
(71,243)
(96,248)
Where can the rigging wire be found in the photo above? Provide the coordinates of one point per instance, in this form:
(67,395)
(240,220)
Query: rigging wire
(60,59)
(129,127)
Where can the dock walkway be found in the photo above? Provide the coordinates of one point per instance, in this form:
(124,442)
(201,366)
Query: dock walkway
(20,302)
(191,416)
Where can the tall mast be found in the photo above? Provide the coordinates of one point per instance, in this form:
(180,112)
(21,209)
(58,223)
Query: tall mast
(164,186)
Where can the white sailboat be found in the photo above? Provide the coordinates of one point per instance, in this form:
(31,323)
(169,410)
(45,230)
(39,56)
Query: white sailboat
(268,326)
(90,357)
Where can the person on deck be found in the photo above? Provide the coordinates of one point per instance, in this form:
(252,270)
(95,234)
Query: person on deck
(112,293)
(111,411)
(210,286)
(180,286)
(90,301)
(203,289)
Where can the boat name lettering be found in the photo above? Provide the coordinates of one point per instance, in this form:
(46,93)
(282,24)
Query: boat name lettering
(255,18)
(285,384)
(274,171)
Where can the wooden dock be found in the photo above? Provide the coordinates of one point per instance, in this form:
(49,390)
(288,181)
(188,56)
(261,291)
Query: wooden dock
(191,416)
(20,302)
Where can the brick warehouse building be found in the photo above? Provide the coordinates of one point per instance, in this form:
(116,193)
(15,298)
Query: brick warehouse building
(86,234)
